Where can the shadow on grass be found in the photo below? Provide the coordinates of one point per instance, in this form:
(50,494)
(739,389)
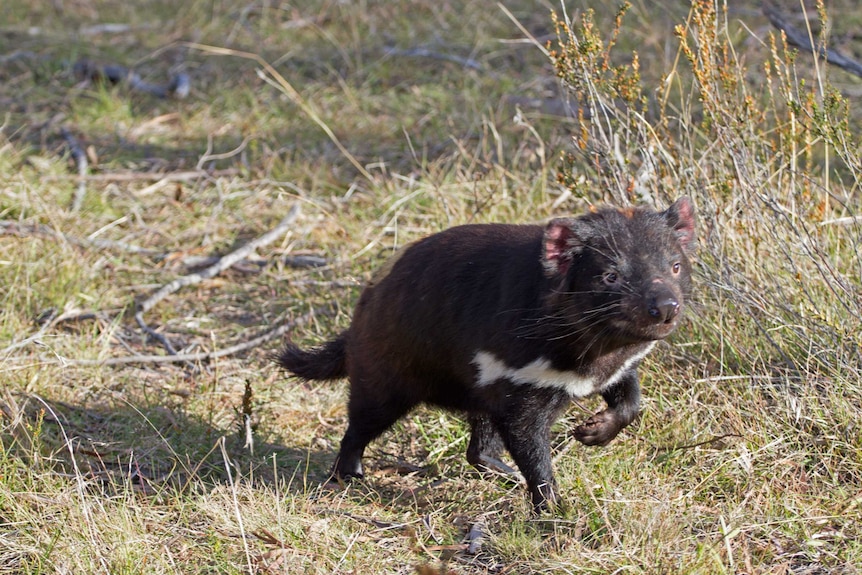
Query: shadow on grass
(158,452)
(148,448)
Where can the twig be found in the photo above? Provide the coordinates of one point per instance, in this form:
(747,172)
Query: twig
(305,261)
(162,339)
(802,40)
(845,221)
(222,264)
(152,176)
(193,261)
(329,284)
(208,156)
(107,28)
(80,157)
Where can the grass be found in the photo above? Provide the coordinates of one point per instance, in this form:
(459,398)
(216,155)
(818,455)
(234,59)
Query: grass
(747,457)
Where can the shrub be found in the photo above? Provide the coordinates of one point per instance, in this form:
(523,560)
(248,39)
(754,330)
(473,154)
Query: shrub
(772,166)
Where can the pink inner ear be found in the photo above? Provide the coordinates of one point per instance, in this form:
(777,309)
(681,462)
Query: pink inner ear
(557,256)
(684,226)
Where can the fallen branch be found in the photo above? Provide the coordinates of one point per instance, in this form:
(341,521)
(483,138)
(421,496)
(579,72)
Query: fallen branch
(12,228)
(207,355)
(162,339)
(803,40)
(151,176)
(222,264)
(219,266)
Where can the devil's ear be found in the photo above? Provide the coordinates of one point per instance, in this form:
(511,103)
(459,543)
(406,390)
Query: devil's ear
(560,243)
(680,218)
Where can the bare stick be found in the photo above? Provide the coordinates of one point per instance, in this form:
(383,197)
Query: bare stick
(152,176)
(204,356)
(80,157)
(802,40)
(162,339)
(105,29)
(12,228)
(222,264)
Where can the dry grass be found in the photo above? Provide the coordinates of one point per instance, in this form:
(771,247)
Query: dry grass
(748,454)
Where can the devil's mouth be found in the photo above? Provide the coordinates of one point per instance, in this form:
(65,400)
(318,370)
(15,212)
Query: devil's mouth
(639,332)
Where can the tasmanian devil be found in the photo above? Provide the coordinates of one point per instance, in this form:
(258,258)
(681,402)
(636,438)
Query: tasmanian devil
(507,323)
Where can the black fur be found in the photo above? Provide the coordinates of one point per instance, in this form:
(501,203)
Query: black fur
(584,296)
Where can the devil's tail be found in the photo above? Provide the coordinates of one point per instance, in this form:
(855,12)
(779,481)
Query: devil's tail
(324,362)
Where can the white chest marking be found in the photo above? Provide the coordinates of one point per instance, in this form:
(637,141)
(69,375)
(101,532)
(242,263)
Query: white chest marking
(627,364)
(539,373)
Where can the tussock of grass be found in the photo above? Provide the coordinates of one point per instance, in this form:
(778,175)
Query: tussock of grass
(747,455)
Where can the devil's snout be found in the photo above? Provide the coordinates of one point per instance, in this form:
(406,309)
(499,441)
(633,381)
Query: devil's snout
(662,305)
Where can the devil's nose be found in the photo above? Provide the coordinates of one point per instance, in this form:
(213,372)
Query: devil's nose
(663,310)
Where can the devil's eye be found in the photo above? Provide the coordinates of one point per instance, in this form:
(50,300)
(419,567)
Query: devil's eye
(676,267)
(611,278)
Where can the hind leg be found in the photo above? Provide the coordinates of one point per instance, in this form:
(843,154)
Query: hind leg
(486,445)
(368,417)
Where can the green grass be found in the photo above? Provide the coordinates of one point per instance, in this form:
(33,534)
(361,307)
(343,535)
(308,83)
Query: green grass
(747,457)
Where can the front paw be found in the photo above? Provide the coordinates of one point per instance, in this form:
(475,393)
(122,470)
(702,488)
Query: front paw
(599,429)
